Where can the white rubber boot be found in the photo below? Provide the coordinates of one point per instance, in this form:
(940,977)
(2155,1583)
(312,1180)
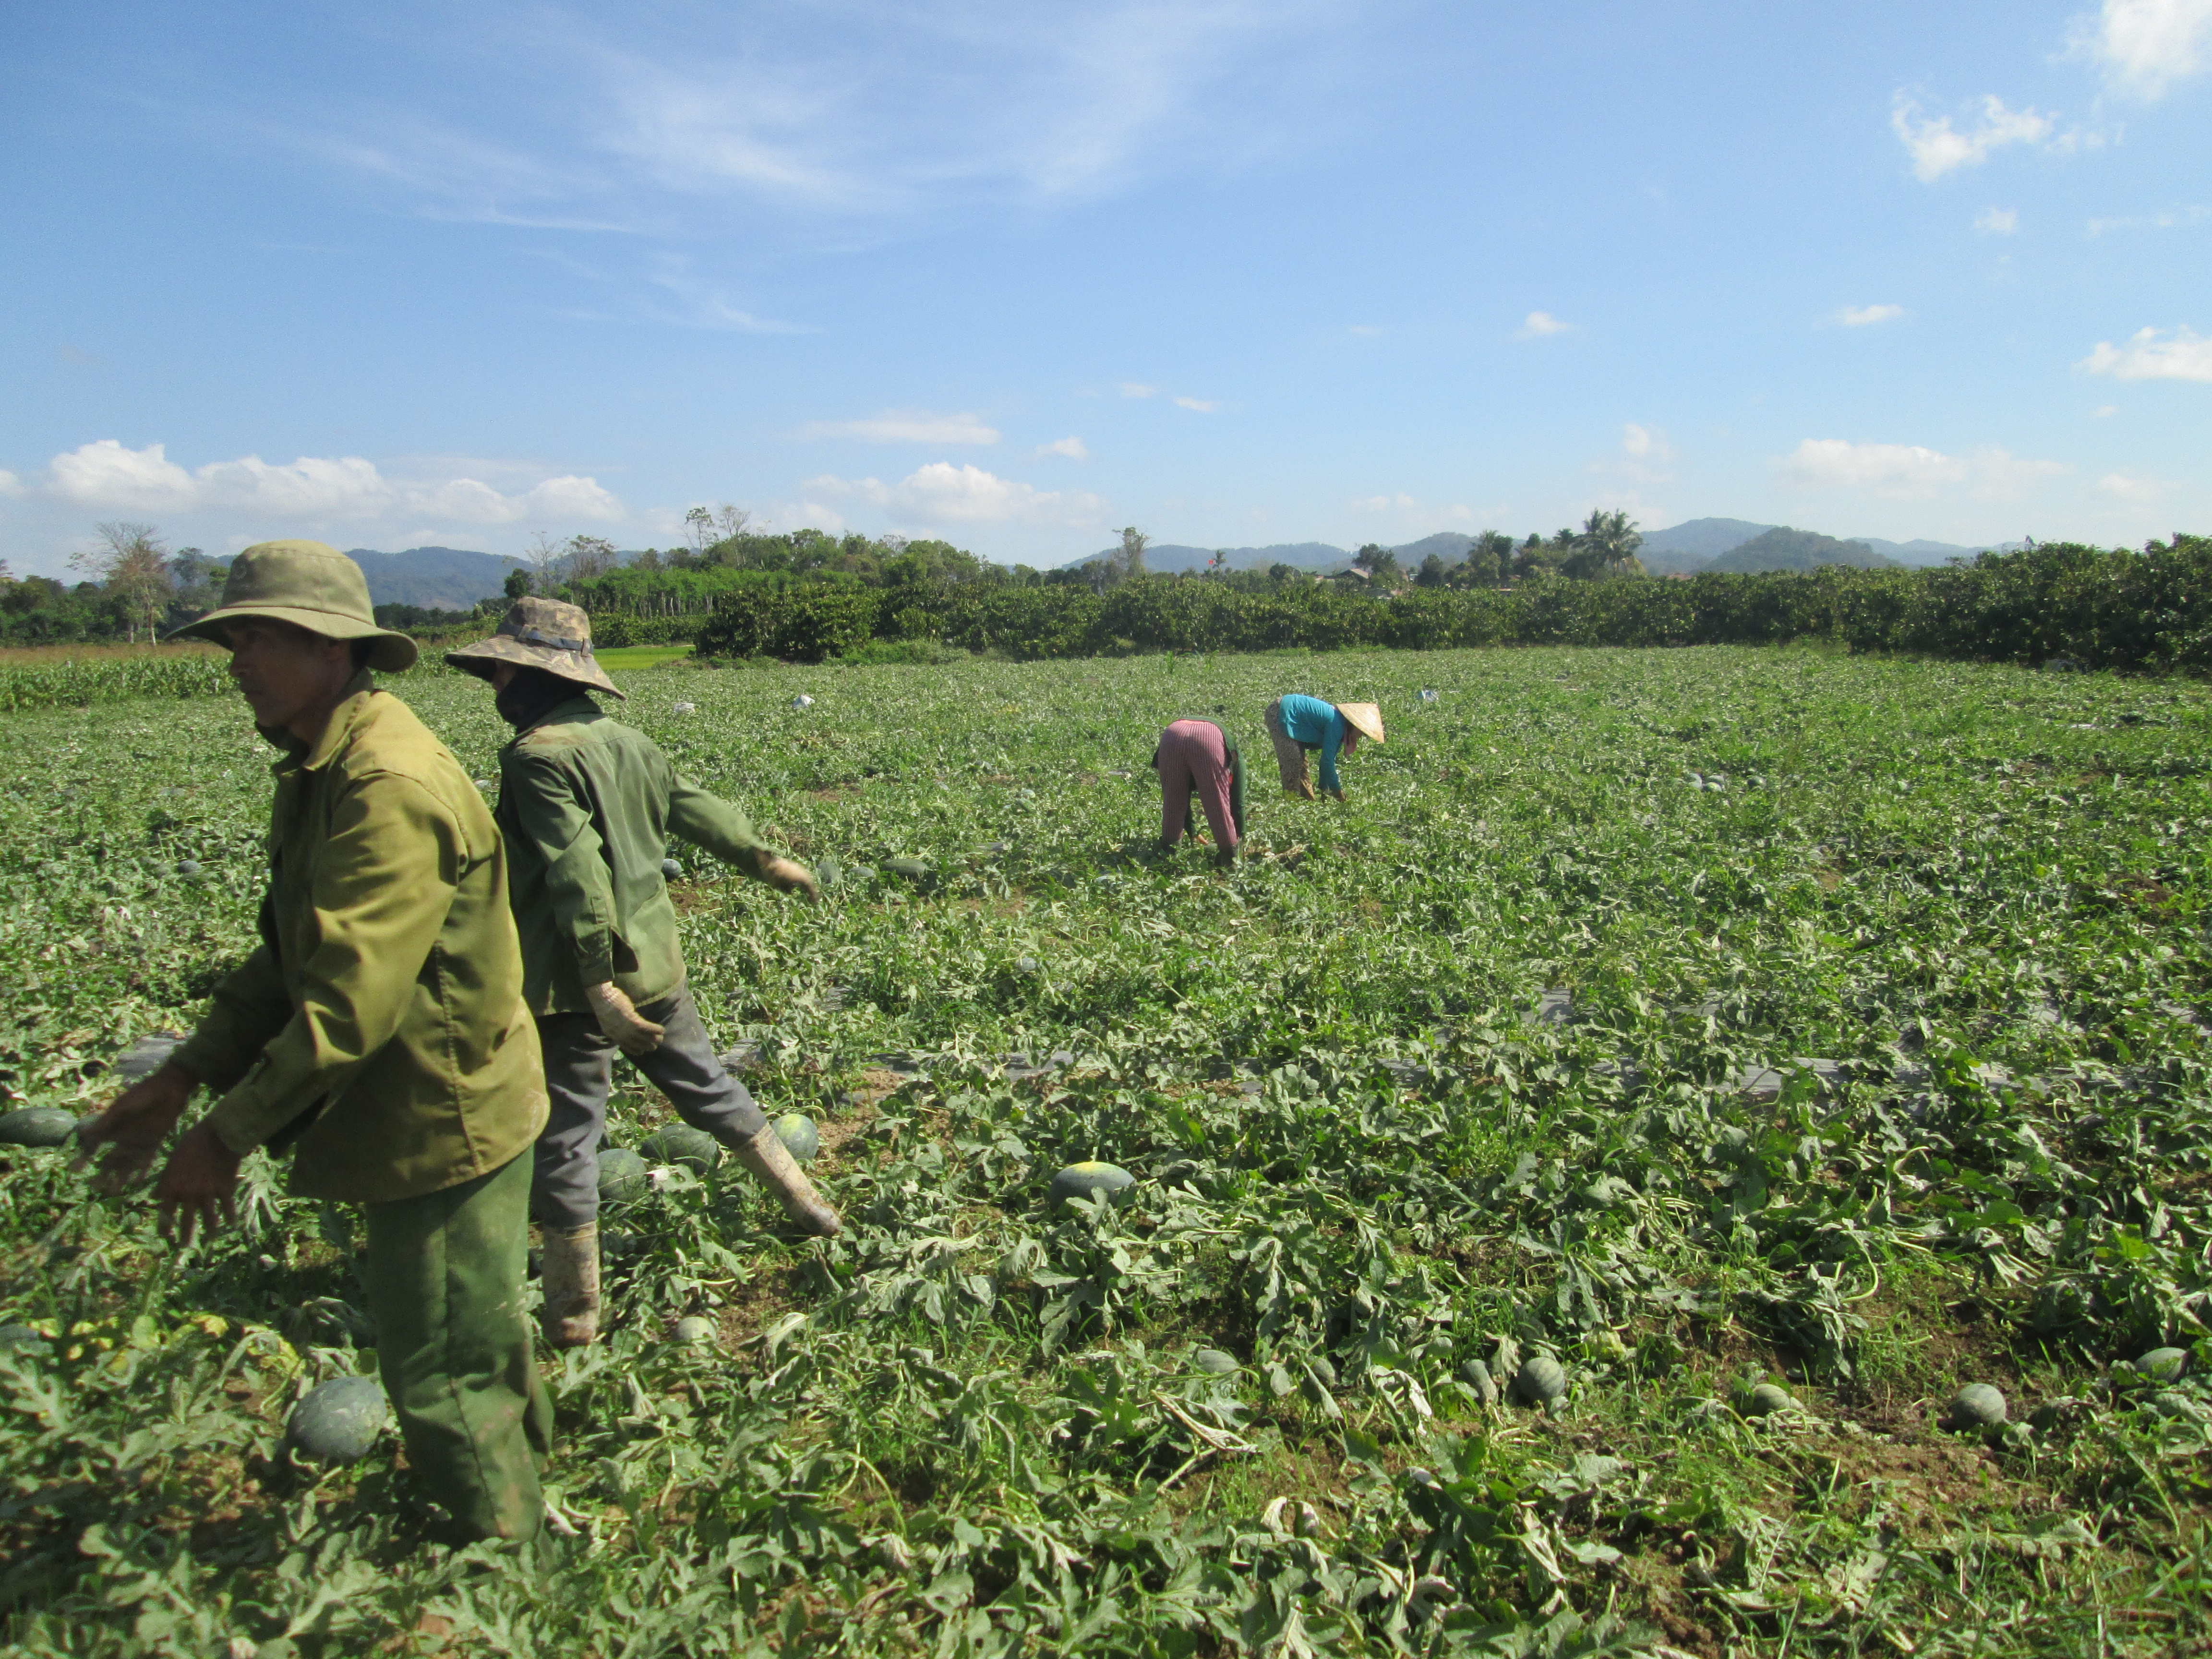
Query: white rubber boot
(571,1283)
(768,1158)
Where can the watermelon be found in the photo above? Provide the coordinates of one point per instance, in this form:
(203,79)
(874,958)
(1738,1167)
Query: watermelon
(1767,1399)
(1479,1378)
(912,869)
(798,1135)
(1081,1180)
(1977,1405)
(671,869)
(37,1125)
(623,1178)
(693,1329)
(679,1143)
(2159,1365)
(146,1056)
(1542,1381)
(22,1340)
(339,1421)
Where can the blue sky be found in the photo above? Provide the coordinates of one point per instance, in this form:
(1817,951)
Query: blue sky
(1235,272)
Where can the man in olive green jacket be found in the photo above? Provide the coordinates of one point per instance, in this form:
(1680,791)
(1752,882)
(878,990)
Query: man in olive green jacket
(379,1032)
(588,805)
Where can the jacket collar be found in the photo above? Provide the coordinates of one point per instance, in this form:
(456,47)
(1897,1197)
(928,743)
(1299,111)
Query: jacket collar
(351,708)
(567,712)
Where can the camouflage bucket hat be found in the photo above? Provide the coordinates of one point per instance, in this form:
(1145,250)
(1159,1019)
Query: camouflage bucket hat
(539,634)
(310,586)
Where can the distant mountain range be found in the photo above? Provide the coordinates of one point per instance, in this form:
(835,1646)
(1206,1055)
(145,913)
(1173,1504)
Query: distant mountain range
(1697,544)
(1701,543)
(436,578)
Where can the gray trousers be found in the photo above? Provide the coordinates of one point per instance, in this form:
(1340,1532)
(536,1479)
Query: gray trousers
(564,1193)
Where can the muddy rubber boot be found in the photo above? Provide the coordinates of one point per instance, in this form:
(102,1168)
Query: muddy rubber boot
(767,1157)
(571,1285)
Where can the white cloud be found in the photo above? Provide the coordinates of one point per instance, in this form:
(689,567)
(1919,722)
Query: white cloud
(9,483)
(2150,355)
(1197,404)
(1365,330)
(2122,487)
(1399,503)
(2105,411)
(1936,147)
(1072,447)
(2147,46)
(906,426)
(1137,389)
(941,493)
(1538,323)
(1647,453)
(1908,471)
(1645,443)
(106,476)
(1997,222)
(1867,316)
(2169,220)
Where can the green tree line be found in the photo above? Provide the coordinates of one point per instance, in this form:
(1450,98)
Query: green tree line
(2115,608)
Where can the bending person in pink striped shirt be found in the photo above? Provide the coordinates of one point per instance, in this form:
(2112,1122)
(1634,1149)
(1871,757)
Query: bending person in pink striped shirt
(1199,757)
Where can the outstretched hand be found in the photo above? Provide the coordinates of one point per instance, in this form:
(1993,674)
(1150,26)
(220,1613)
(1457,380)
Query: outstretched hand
(786,877)
(133,1128)
(198,1187)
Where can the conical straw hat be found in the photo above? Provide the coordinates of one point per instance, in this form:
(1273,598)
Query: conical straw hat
(1366,718)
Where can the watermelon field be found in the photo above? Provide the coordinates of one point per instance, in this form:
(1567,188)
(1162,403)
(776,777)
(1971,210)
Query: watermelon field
(1708,1152)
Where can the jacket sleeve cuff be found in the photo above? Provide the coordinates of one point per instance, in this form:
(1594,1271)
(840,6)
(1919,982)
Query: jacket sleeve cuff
(242,1120)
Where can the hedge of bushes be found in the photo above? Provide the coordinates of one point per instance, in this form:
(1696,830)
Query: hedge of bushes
(2116,609)
(615,627)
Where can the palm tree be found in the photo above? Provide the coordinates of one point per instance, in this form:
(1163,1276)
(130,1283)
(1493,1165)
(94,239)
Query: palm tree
(1606,546)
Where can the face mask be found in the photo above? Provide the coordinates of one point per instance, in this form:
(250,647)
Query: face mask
(526,696)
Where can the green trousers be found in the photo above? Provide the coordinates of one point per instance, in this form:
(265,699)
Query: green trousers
(445,1287)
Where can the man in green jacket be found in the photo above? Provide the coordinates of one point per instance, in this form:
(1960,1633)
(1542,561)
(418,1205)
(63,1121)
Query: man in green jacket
(379,1031)
(587,806)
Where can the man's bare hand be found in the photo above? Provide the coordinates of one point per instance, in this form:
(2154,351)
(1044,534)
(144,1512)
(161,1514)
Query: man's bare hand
(199,1186)
(786,877)
(620,1021)
(133,1128)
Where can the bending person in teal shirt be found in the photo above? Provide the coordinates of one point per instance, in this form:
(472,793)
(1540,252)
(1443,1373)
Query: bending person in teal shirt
(1298,724)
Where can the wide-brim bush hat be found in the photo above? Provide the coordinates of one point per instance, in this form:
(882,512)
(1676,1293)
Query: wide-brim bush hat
(1365,718)
(539,634)
(309,585)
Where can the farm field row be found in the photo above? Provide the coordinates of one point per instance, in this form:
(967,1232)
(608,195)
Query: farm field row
(1500,1060)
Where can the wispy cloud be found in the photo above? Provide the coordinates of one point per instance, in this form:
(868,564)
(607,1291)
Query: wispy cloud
(1072,448)
(943,493)
(2123,488)
(1537,324)
(1908,471)
(2152,355)
(2171,218)
(1937,148)
(2145,46)
(106,476)
(1199,403)
(1364,331)
(1997,222)
(1138,389)
(1867,316)
(899,113)
(906,426)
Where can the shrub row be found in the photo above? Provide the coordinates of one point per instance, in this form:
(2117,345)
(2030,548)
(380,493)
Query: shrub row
(2118,609)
